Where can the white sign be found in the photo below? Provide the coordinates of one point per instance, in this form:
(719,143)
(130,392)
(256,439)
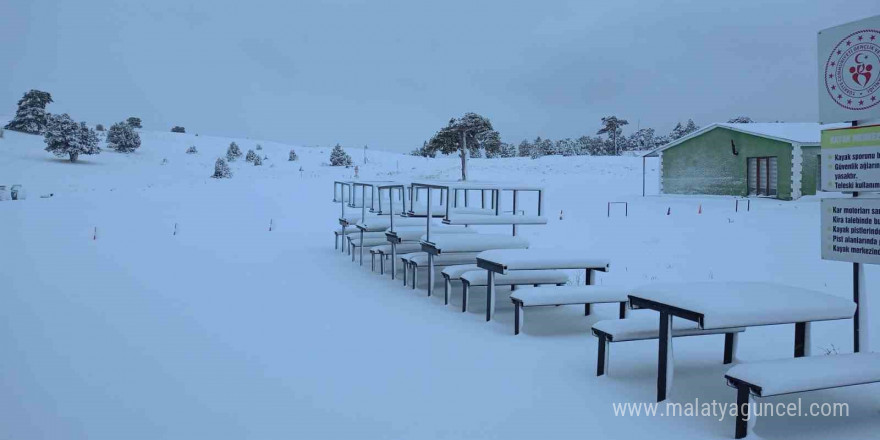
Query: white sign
(849,72)
(851,159)
(851,230)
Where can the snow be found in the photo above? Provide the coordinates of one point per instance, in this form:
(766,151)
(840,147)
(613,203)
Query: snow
(502,219)
(455,272)
(421,259)
(809,373)
(481,277)
(551,295)
(228,330)
(635,329)
(746,304)
(476,242)
(519,259)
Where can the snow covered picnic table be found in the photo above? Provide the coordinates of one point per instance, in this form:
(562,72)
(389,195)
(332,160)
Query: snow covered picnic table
(717,305)
(457,243)
(501,261)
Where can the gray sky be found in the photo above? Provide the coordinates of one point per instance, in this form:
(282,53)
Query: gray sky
(390,73)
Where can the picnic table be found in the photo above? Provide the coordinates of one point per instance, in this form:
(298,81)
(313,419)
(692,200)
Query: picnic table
(500,261)
(718,305)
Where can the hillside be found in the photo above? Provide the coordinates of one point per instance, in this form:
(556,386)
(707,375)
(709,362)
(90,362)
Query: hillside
(149,301)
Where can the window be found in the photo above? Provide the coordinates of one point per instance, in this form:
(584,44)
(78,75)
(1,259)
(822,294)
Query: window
(762,176)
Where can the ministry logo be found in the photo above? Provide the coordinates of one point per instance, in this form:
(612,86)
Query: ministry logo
(852,71)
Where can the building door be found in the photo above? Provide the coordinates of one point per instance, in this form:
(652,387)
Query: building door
(762,176)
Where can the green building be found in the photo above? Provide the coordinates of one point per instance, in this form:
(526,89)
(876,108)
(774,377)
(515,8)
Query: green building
(779,160)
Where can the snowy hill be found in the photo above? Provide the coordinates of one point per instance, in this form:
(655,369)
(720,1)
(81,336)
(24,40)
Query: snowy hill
(149,301)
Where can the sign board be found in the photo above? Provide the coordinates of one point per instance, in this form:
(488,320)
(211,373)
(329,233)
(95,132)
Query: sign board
(851,230)
(849,72)
(850,159)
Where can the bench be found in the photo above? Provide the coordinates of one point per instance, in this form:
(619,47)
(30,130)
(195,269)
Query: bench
(563,296)
(417,260)
(369,240)
(519,278)
(384,251)
(469,243)
(647,328)
(797,375)
(454,273)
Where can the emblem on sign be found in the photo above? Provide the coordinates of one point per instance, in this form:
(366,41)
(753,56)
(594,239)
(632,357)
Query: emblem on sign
(852,71)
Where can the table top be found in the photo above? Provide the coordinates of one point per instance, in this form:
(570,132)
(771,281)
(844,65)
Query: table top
(743,304)
(502,260)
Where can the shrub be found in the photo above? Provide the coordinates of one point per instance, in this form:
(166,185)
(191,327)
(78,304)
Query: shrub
(178,129)
(221,169)
(233,152)
(123,138)
(250,156)
(192,150)
(292,156)
(134,122)
(338,157)
(258,161)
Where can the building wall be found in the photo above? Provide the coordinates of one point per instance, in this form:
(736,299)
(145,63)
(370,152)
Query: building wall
(706,165)
(811,165)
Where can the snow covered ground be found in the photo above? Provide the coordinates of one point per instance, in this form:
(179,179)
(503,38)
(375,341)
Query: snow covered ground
(230,330)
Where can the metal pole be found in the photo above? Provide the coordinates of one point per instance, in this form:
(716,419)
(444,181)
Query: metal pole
(515,194)
(643,176)
(860,324)
(430,255)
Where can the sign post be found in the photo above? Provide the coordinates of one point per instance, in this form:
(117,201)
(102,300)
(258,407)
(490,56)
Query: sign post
(849,85)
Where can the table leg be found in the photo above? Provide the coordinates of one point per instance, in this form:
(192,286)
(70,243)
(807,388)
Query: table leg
(490,296)
(393,260)
(664,361)
(802,339)
(430,274)
(362,248)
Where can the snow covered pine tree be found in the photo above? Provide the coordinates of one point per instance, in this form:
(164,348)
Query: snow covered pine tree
(123,138)
(233,152)
(192,150)
(64,137)
(221,169)
(292,156)
(134,122)
(31,116)
(257,160)
(339,158)
(250,156)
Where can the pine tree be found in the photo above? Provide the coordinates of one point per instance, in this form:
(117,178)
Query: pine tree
(221,169)
(134,122)
(259,147)
(292,157)
(525,149)
(31,116)
(338,157)
(258,161)
(466,134)
(64,137)
(611,125)
(233,152)
(178,129)
(507,150)
(250,156)
(99,127)
(123,138)
(740,120)
(192,150)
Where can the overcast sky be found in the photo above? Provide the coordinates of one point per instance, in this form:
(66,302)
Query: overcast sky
(388,74)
